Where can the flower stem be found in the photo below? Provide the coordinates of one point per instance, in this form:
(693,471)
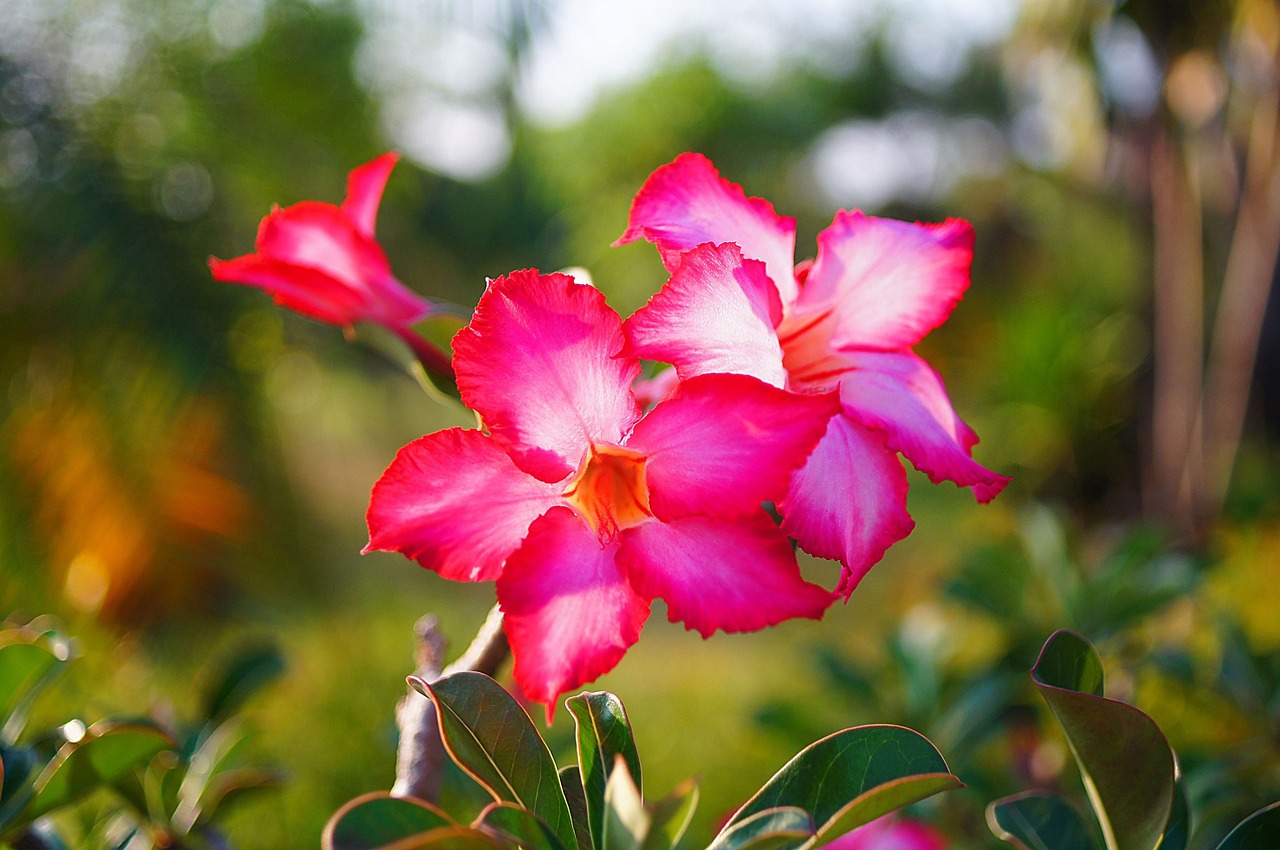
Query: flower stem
(435,361)
(421,758)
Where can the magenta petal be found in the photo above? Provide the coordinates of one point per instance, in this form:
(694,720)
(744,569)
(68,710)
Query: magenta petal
(849,501)
(364,192)
(308,291)
(899,394)
(539,364)
(716,314)
(570,613)
(736,576)
(320,236)
(722,444)
(887,282)
(687,202)
(650,391)
(891,832)
(455,503)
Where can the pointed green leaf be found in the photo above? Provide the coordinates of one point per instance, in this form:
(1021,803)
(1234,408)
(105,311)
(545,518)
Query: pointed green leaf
(670,817)
(786,826)
(1125,761)
(245,675)
(28,661)
(571,784)
(22,664)
(1261,829)
(107,752)
(1067,660)
(603,734)
(1039,821)
(460,795)
(853,777)
(207,755)
(231,786)
(490,737)
(378,820)
(626,821)
(517,825)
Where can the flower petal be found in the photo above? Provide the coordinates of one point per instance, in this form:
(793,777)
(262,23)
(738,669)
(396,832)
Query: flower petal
(539,364)
(650,391)
(886,282)
(889,832)
(570,614)
(736,576)
(320,236)
(687,202)
(308,291)
(364,191)
(849,501)
(455,503)
(716,314)
(722,444)
(898,393)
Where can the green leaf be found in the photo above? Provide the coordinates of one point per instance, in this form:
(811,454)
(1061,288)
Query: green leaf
(1069,661)
(518,826)
(1039,821)
(603,734)
(1178,832)
(571,785)
(246,674)
(490,737)
(670,817)
(231,786)
(206,755)
(626,821)
(378,820)
(1260,830)
(785,826)
(853,777)
(28,661)
(107,752)
(1124,759)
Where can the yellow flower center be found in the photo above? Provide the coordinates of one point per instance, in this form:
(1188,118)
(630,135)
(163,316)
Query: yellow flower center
(610,491)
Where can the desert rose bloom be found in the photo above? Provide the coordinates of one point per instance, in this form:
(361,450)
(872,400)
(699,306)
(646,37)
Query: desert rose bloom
(891,833)
(846,322)
(324,262)
(583,508)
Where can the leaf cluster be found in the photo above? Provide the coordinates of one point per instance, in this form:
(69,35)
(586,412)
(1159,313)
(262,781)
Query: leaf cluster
(835,785)
(1130,773)
(169,785)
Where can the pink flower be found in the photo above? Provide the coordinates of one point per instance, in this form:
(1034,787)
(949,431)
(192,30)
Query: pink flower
(324,262)
(847,322)
(891,833)
(584,509)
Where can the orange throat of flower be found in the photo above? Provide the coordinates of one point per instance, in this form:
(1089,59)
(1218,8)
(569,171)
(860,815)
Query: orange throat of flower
(807,353)
(609,491)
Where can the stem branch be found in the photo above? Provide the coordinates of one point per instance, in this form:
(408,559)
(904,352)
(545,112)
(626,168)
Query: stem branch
(420,757)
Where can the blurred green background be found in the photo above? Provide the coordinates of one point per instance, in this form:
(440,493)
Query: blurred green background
(184,467)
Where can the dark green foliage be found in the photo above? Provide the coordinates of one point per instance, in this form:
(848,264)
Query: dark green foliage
(1035,821)
(1127,766)
(835,785)
(172,782)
